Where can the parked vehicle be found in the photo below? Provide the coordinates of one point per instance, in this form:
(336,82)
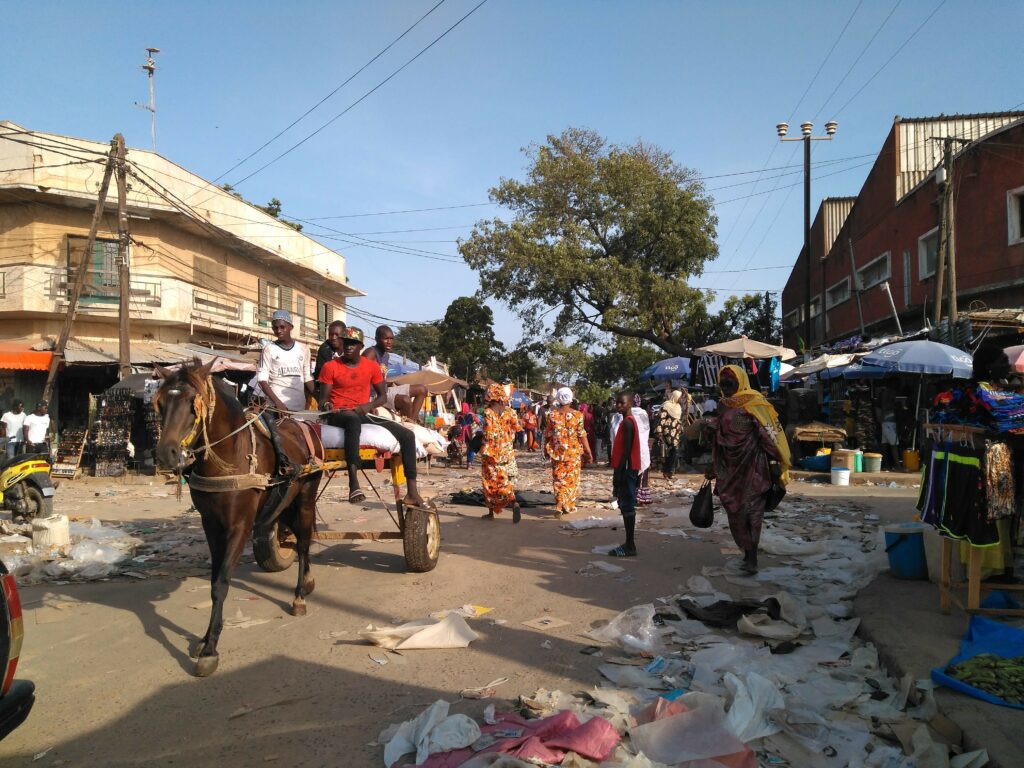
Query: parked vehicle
(25,486)
(16,696)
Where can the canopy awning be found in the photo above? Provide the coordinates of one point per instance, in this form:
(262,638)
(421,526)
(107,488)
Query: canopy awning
(19,356)
(742,347)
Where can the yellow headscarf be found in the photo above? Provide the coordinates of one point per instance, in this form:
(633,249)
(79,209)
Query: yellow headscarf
(756,405)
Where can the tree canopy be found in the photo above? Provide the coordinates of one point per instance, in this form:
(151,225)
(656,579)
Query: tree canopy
(606,235)
(418,341)
(467,336)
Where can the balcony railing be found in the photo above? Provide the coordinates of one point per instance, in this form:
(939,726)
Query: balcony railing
(101,287)
(212,304)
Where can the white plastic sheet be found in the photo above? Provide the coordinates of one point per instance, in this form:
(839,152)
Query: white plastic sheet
(450,632)
(431,731)
(694,735)
(754,699)
(633,629)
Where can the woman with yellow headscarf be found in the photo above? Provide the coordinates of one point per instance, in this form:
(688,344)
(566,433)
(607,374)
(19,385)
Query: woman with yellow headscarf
(749,448)
(498,454)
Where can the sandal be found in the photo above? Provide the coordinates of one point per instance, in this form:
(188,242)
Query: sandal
(621,551)
(357,496)
(517,514)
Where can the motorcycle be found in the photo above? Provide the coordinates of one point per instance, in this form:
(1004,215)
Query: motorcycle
(25,486)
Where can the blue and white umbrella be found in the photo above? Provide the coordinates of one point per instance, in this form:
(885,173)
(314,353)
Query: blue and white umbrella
(399,365)
(922,356)
(518,399)
(672,368)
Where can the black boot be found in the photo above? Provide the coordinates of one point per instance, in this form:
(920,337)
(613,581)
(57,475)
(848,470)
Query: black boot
(285,468)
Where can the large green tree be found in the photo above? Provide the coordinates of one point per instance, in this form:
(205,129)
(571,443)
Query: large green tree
(418,341)
(607,235)
(467,337)
(753,315)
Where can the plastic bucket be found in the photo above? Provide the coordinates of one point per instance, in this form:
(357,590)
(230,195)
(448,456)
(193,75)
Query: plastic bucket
(904,544)
(840,476)
(858,461)
(911,461)
(872,462)
(843,458)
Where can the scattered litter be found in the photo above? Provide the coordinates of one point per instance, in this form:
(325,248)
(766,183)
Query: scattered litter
(467,611)
(379,660)
(545,623)
(431,732)
(450,632)
(484,691)
(546,644)
(240,621)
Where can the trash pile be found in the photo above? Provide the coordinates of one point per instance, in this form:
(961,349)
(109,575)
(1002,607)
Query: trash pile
(738,671)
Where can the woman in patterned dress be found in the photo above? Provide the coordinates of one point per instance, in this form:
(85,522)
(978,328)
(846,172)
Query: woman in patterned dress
(498,455)
(566,444)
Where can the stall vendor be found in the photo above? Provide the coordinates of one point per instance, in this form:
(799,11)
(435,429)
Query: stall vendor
(405,399)
(347,382)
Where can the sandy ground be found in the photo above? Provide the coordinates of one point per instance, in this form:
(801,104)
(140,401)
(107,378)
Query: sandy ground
(113,677)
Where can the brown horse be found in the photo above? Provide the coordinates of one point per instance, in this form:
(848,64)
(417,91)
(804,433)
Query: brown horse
(232,482)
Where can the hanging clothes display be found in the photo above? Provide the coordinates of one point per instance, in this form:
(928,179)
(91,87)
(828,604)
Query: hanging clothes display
(953,495)
(1000,488)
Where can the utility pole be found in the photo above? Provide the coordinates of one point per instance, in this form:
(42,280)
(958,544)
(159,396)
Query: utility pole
(150,67)
(81,271)
(856,285)
(806,129)
(946,256)
(124,280)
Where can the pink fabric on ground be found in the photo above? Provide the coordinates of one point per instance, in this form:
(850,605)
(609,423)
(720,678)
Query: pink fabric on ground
(595,739)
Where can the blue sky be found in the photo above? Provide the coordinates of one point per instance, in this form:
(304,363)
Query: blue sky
(706,80)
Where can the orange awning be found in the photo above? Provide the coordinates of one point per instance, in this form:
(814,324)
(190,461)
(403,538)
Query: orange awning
(18,356)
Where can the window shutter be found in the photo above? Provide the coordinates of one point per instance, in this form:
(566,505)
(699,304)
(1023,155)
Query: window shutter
(286,298)
(261,312)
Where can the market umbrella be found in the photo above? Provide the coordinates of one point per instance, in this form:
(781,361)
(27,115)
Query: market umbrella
(1016,355)
(518,399)
(854,371)
(922,356)
(435,382)
(671,368)
(743,347)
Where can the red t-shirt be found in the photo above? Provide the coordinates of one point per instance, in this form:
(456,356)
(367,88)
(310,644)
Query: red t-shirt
(350,385)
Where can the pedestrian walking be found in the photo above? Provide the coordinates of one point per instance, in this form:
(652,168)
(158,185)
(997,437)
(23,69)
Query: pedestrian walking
(565,443)
(13,421)
(36,429)
(529,420)
(644,494)
(498,454)
(629,436)
(748,450)
(669,431)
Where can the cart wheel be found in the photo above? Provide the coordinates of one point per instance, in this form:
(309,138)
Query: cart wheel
(421,539)
(271,554)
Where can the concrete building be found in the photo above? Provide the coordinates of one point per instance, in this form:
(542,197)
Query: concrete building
(206,267)
(889,233)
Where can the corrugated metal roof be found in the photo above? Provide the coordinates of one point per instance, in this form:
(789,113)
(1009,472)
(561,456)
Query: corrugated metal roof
(835,210)
(917,155)
(96,352)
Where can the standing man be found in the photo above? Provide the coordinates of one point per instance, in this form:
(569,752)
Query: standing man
(330,349)
(347,382)
(626,463)
(284,377)
(36,427)
(13,421)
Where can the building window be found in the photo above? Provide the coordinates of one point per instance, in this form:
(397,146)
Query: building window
(1015,215)
(816,306)
(906,278)
(838,293)
(874,272)
(792,319)
(324,317)
(269,300)
(927,254)
(102,283)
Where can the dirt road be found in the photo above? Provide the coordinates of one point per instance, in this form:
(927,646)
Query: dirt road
(114,680)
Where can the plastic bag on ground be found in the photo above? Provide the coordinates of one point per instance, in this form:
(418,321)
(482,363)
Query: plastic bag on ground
(633,629)
(753,699)
(450,632)
(695,735)
(431,731)
(761,625)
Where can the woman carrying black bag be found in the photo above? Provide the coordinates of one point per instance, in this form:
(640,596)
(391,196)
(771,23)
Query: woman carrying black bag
(750,460)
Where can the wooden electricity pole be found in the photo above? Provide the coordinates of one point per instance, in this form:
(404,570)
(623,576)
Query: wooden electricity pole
(81,272)
(123,272)
(945,259)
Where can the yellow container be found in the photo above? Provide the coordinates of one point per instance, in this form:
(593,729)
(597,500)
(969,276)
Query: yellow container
(911,461)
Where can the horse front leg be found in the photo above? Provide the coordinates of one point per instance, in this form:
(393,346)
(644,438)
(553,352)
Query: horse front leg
(216,540)
(236,537)
(303,525)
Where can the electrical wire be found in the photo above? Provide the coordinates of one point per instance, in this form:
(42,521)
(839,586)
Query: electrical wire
(348,80)
(375,88)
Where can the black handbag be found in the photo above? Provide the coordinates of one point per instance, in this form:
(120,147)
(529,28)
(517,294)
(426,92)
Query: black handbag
(702,512)
(777,491)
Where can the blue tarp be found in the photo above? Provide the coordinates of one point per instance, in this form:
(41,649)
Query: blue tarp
(985,635)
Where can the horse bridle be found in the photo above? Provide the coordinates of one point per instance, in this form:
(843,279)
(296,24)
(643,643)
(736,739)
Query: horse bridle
(203,405)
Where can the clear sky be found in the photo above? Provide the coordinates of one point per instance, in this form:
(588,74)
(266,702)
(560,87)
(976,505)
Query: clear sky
(706,80)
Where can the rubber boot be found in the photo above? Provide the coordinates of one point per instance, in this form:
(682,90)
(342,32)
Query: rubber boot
(284,464)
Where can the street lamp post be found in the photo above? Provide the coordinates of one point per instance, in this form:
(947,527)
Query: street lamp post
(806,129)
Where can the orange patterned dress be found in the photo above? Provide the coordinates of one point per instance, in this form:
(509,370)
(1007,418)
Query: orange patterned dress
(564,438)
(498,458)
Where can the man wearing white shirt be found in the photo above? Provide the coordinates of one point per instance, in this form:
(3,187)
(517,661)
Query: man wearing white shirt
(13,421)
(285,378)
(35,428)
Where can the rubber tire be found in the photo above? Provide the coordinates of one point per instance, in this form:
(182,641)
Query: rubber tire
(270,555)
(38,505)
(421,540)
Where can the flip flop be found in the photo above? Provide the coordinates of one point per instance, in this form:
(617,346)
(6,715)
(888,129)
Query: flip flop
(620,551)
(357,496)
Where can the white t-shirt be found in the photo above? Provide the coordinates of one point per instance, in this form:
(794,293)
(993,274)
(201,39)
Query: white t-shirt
(36,427)
(285,372)
(14,422)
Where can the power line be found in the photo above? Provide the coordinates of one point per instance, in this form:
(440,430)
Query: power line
(894,55)
(408,210)
(375,88)
(348,80)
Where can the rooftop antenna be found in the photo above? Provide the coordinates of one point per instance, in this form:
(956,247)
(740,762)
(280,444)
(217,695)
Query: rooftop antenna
(150,68)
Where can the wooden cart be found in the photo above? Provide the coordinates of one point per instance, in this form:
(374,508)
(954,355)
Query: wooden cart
(418,528)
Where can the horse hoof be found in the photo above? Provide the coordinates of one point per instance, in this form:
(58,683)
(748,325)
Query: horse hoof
(299,607)
(206,665)
(308,586)
(197,649)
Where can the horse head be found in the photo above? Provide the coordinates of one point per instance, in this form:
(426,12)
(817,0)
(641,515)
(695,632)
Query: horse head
(182,402)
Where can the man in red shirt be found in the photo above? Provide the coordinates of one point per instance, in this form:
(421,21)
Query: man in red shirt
(347,382)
